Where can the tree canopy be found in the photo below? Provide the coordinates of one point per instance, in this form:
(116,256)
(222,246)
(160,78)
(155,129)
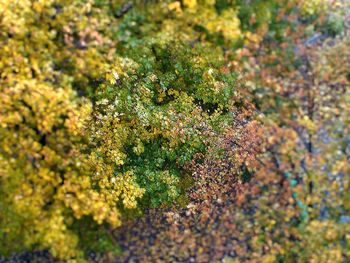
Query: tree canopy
(220,120)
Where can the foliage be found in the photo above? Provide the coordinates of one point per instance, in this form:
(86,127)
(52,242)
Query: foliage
(156,112)
(65,157)
(109,107)
(47,180)
(294,207)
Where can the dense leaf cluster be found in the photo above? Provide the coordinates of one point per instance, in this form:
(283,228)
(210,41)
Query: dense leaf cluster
(213,116)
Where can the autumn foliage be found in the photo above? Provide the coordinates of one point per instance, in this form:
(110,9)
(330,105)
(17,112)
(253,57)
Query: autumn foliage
(175,131)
